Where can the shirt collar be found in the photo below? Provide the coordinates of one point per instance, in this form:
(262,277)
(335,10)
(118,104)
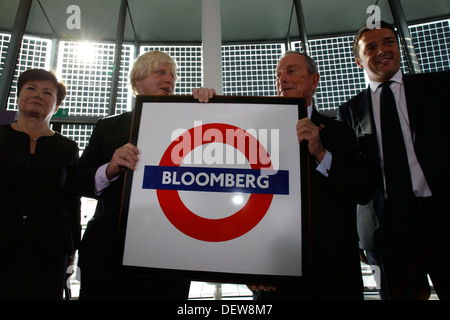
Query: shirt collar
(398,77)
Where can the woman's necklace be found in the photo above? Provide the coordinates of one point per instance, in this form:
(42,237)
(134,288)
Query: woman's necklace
(34,139)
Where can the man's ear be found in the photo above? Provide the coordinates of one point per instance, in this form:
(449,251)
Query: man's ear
(137,85)
(56,109)
(358,62)
(315,80)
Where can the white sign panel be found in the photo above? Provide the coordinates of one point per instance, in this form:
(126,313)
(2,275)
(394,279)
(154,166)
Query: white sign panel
(217,190)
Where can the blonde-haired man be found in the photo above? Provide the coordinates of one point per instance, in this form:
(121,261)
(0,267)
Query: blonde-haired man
(100,173)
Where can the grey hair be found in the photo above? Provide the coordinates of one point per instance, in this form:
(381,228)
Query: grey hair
(310,63)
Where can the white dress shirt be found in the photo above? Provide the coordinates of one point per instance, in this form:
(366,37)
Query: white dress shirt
(101,181)
(419,183)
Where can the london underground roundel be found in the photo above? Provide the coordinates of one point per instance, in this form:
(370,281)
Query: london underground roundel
(214,230)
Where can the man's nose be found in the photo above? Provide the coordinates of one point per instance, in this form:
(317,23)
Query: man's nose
(382,49)
(169,78)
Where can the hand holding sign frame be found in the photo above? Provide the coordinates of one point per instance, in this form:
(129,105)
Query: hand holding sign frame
(220,192)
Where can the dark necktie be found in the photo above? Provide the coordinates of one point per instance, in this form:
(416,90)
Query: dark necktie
(396,167)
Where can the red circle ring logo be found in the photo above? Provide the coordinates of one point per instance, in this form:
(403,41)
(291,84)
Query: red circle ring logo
(213,230)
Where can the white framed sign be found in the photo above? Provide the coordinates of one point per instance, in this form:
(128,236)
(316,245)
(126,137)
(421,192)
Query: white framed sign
(220,192)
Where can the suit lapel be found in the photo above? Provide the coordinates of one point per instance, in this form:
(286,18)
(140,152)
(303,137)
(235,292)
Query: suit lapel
(363,113)
(415,102)
(322,120)
(364,124)
(315,116)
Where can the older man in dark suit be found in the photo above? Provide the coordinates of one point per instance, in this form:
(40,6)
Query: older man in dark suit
(339,179)
(405,228)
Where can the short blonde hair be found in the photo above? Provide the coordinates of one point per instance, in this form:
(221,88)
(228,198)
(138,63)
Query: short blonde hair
(44,75)
(148,62)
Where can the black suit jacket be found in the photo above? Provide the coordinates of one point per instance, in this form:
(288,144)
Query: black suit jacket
(34,200)
(98,246)
(334,239)
(428,104)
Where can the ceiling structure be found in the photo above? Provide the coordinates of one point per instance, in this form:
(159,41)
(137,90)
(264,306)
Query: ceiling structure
(164,22)
(180,21)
